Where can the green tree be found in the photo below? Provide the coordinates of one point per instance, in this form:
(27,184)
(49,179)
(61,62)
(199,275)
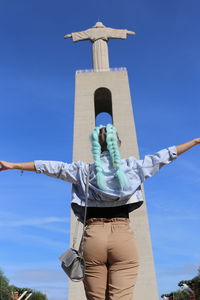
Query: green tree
(5,293)
(6,290)
(194,284)
(35,294)
(38,296)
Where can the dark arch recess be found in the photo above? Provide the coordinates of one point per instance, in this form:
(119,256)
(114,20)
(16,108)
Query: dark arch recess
(103,101)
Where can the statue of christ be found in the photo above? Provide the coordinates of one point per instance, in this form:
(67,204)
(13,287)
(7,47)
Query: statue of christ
(99,36)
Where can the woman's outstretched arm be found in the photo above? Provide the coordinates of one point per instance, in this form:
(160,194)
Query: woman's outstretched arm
(151,164)
(26,166)
(30,166)
(186,146)
(56,169)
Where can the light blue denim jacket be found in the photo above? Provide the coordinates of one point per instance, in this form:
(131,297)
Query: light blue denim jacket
(136,171)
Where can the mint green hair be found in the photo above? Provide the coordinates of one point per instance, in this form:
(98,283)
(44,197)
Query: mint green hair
(112,146)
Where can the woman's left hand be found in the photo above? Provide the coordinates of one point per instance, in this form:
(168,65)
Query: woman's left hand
(184,147)
(197,141)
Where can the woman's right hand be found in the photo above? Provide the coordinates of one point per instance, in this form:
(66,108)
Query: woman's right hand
(5,165)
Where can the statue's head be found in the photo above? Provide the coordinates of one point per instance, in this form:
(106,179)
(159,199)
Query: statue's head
(105,138)
(99,25)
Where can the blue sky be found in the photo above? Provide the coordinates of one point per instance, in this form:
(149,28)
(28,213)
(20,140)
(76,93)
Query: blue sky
(37,93)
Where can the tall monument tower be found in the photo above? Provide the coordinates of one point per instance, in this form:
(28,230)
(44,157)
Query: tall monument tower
(99,90)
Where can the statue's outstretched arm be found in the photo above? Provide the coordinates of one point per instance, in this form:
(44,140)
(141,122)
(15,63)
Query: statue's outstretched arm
(79,36)
(68,36)
(130,32)
(118,33)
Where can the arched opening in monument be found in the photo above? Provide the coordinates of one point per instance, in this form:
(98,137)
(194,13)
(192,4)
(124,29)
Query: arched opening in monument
(103,106)
(103,119)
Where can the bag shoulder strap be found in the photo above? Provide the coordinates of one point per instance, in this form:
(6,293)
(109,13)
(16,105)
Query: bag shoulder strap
(85,210)
(86,196)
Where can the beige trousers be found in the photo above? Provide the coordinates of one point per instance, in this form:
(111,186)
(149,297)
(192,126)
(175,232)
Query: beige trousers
(111,260)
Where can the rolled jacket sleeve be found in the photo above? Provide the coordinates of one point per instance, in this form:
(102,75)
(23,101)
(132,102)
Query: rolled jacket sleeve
(58,169)
(151,164)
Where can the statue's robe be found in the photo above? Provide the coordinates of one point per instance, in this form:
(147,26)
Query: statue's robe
(99,38)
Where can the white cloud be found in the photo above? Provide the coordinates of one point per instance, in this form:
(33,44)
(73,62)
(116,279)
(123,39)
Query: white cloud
(32,221)
(189,171)
(188,270)
(20,238)
(11,220)
(39,275)
(52,282)
(169,277)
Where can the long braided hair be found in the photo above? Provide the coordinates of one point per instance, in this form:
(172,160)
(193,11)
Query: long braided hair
(110,144)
